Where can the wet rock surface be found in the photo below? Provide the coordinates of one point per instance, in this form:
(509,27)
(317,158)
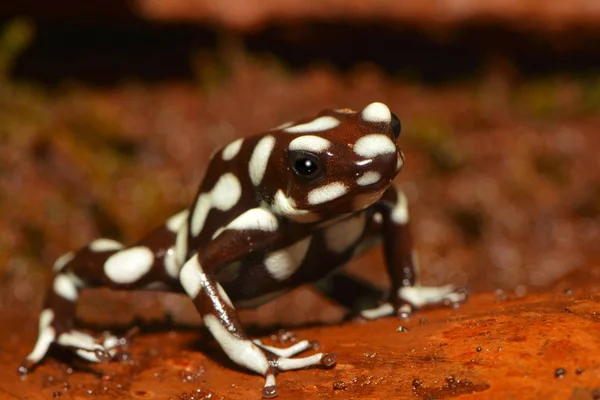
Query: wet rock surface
(543,345)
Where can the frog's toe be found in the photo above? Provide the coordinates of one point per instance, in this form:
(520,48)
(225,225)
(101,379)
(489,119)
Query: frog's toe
(282,363)
(290,351)
(383,310)
(319,359)
(420,296)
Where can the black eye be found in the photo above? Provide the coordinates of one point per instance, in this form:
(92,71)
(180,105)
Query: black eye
(396,127)
(306,165)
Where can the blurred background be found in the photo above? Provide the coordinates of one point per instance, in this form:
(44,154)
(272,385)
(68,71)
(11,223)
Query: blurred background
(109,111)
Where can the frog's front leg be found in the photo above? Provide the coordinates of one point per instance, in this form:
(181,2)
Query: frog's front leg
(406,292)
(253,231)
(151,264)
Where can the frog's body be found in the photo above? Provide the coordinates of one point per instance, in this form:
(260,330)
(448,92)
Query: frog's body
(274,211)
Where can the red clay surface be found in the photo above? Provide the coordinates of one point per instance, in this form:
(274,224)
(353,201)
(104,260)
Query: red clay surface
(539,346)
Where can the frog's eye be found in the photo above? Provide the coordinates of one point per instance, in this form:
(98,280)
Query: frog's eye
(396,126)
(306,165)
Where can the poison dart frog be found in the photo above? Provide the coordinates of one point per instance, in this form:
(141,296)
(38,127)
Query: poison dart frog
(274,211)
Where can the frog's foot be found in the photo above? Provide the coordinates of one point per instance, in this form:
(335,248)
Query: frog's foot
(410,298)
(88,347)
(282,363)
(83,344)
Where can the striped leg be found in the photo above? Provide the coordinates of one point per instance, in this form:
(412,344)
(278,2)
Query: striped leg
(151,264)
(407,294)
(221,320)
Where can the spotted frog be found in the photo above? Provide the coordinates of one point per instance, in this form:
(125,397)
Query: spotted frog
(276,210)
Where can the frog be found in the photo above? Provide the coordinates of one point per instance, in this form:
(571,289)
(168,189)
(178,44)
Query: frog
(277,210)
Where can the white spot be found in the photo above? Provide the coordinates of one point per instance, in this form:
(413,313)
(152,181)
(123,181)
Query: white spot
(369,178)
(45,337)
(376,112)
(281,264)
(65,287)
(344,234)
(378,218)
(200,213)
(374,145)
(309,143)
(242,352)
(174,223)
(327,193)
(232,149)
(181,245)
(100,245)
(422,295)
(191,277)
(400,210)
(260,158)
(255,219)
(63,260)
(286,206)
(172,266)
(316,125)
(226,193)
(382,310)
(129,265)
(223,196)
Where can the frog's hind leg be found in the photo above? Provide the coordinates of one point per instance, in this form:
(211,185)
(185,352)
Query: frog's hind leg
(56,322)
(151,265)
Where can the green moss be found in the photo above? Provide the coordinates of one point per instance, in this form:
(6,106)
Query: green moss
(434,137)
(590,95)
(538,99)
(15,37)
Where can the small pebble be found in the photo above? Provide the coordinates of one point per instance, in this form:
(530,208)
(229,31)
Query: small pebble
(417,383)
(402,328)
(559,373)
(339,385)
(579,371)
(478,349)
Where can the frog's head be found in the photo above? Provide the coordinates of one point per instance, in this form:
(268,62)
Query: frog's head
(339,162)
